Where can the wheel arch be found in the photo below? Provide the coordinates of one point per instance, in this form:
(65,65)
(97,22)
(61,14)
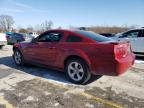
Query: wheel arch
(76,56)
(15,48)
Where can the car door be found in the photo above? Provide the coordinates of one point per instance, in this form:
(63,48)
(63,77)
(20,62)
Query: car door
(44,50)
(140,42)
(131,36)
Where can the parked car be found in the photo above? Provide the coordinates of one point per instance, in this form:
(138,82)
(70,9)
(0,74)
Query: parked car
(8,35)
(3,40)
(17,37)
(33,34)
(82,54)
(27,36)
(136,38)
(107,34)
(82,28)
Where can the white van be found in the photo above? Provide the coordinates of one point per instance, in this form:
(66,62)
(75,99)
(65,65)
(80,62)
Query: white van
(3,40)
(136,38)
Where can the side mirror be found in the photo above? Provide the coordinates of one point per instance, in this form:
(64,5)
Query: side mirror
(34,40)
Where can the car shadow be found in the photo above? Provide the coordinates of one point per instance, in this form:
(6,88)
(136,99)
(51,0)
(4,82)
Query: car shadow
(40,71)
(35,70)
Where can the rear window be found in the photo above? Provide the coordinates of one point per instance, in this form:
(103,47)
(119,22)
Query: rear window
(95,36)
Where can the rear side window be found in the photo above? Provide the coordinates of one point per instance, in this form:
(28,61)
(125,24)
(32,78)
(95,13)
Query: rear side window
(73,38)
(94,36)
(132,34)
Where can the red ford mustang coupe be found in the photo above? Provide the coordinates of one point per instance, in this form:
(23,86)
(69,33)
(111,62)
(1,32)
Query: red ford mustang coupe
(81,54)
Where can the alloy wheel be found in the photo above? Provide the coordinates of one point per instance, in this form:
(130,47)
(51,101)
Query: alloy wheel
(17,57)
(75,71)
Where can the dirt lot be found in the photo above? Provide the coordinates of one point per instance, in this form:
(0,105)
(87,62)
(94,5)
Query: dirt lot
(35,87)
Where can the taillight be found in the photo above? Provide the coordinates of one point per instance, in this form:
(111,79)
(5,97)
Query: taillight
(121,51)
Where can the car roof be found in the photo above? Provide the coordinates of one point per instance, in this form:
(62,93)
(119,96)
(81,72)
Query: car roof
(130,30)
(137,29)
(63,30)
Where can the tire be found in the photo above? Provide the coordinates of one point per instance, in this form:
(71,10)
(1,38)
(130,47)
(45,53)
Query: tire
(18,58)
(93,78)
(77,71)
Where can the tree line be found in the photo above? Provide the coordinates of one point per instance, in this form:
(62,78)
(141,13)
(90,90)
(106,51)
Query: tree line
(7,22)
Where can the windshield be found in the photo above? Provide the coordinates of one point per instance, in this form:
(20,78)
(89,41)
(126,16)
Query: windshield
(95,36)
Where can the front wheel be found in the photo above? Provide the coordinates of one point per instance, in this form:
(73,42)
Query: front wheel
(77,71)
(18,58)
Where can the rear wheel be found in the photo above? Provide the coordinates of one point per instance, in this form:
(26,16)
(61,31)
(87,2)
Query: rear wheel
(18,57)
(77,71)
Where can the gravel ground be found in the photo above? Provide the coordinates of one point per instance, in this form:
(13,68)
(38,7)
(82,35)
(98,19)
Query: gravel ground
(31,87)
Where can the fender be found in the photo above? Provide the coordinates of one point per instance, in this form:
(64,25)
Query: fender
(83,55)
(75,52)
(18,46)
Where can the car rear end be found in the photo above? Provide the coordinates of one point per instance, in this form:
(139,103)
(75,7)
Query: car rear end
(107,56)
(20,37)
(114,58)
(124,57)
(9,37)
(17,37)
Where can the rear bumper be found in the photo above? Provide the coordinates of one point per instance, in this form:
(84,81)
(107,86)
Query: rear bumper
(124,64)
(113,67)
